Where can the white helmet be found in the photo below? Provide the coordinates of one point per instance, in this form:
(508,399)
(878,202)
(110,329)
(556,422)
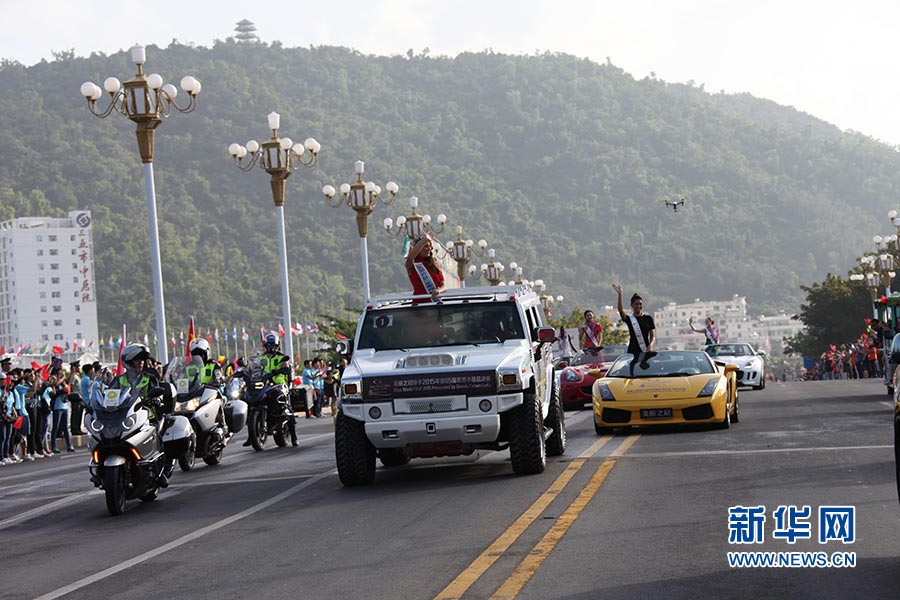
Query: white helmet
(200,347)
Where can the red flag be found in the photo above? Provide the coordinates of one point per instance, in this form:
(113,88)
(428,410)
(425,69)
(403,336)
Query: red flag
(190,337)
(35,366)
(57,350)
(280,330)
(45,372)
(341,336)
(75,346)
(120,368)
(209,337)
(2,349)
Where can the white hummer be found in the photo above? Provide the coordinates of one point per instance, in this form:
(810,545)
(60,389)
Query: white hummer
(470,372)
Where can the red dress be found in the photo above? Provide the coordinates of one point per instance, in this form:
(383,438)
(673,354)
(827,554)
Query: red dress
(418,287)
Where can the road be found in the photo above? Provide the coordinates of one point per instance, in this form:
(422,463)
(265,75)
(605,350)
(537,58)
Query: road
(641,514)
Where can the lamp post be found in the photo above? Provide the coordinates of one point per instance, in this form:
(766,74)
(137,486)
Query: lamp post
(491,271)
(547,300)
(461,251)
(362,197)
(278,157)
(414,224)
(146,101)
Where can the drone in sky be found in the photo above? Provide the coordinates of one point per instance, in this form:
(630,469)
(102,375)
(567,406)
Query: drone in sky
(674,204)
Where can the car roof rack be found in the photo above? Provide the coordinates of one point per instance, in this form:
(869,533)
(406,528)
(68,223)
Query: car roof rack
(492,293)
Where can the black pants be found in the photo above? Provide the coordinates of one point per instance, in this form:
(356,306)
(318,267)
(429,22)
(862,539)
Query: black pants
(77,413)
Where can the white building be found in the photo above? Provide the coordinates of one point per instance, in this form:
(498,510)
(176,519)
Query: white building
(764,333)
(47,288)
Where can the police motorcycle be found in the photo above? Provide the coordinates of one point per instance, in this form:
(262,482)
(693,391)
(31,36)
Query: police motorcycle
(214,420)
(132,455)
(269,406)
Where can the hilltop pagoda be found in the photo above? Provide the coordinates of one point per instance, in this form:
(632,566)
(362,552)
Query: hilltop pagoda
(245,31)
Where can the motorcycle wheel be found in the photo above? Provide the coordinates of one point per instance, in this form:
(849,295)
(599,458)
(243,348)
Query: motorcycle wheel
(114,486)
(186,461)
(214,458)
(151,495)
(256,429)
(281,435)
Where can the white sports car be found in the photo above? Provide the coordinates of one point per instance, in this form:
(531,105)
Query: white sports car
(751,362)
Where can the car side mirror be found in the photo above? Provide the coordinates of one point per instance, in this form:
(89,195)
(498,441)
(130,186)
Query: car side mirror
(342,347)
(546,335)
(761,353)
(730,368)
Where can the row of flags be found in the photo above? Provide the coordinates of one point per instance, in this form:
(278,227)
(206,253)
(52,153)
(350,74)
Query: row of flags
(48,347)
(116,343)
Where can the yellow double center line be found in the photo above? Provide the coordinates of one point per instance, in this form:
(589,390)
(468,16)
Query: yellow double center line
(527,568)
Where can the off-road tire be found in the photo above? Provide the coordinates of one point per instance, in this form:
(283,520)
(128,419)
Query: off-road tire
(556,419)
(353,451)
(393,457)
(526,437)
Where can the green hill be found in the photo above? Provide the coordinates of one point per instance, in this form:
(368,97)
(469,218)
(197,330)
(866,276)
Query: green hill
(561,163)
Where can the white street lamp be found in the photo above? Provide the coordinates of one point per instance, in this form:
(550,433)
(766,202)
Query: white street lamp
(278,157)
(147,102)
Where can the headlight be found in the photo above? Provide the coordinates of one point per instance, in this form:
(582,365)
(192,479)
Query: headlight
(709,388)
(96,425)
(605,393)
(571,375)
(235,394)
(509,380)
(129,422)
(351,392)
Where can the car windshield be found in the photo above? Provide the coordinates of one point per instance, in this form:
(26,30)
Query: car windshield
(729,350)
(592,356)
(440,325)
(662,364)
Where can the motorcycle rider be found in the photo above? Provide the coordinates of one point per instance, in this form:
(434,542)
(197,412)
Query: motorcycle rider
(138,377)
(277,367)
(212,372)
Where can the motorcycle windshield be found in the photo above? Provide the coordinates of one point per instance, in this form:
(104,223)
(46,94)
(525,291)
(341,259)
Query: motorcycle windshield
(186,374)
(112,410)
(255,369)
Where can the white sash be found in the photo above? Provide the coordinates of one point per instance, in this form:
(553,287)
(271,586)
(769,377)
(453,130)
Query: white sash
(425,277)
(637,333)
(590,335)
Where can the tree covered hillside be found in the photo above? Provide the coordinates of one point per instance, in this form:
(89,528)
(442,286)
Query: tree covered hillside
(561,163)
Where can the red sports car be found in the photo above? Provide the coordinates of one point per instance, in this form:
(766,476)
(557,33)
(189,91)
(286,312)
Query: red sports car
(574,382)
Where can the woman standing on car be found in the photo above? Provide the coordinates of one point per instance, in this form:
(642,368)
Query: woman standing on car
(711,330)
(424,272)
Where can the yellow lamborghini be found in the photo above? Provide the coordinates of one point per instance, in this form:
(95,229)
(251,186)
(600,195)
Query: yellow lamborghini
(662,388)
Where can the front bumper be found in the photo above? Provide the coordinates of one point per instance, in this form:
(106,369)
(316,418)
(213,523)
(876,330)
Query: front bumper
(748,376)
(469,426)
(689,410)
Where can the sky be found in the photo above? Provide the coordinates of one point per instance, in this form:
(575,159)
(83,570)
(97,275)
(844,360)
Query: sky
(833,59)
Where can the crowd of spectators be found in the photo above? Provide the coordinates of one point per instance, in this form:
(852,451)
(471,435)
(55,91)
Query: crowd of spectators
(41,405)
(862,359)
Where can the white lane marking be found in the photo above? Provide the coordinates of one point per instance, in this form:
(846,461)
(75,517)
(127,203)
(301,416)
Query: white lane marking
(42,510)
(759,451)
(242,480)
(33,474)
(888,404)
(91,579)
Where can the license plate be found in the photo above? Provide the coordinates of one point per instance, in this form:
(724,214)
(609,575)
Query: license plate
(656,413)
